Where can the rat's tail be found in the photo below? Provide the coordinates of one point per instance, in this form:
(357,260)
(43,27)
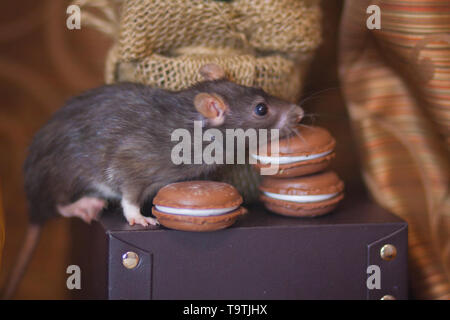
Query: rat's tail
(29,245)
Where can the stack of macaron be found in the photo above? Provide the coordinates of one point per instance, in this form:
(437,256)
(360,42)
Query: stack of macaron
(197,205)
(303,186)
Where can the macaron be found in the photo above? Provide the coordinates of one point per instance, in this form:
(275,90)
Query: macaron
(308,151)
(306,196)
(197,205)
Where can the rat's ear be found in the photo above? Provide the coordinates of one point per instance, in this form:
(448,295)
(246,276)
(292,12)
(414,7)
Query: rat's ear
(212,71)
(212,107)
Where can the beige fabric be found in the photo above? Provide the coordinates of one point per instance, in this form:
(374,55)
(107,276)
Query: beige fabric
(163,43)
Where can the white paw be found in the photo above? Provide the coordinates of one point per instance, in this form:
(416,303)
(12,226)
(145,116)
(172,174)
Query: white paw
(143,221)
(133,215)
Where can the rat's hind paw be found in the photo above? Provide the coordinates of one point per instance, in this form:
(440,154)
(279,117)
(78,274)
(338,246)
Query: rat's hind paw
(86,208)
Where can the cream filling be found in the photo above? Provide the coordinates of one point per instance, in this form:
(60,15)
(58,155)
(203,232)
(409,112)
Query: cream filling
(195,212)
(286,159)
(301,198)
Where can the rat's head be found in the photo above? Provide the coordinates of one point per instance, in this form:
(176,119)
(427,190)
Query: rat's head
(225,104)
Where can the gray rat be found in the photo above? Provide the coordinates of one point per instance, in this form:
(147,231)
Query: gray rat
(114,143)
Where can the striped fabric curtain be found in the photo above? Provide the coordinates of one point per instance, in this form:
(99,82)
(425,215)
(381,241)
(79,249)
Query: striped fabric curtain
(396,82)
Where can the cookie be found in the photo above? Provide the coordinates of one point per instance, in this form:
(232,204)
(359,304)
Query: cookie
(306,196)
(197,205)
(308,151)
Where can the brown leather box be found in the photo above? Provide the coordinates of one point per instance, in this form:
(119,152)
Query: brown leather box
(262,256)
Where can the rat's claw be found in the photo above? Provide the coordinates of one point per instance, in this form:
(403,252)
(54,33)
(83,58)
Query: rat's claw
(146,221)
(143,221)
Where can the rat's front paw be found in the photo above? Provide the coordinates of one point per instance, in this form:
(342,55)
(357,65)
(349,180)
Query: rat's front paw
(133,215)
(144,221)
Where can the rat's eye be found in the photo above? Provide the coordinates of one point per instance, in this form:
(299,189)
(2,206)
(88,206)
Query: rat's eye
(261,109)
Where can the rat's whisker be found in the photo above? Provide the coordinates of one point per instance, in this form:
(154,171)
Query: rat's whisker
(315,94)
(306,126)
(288,137)
(323,115)
(298,134)
(311,116)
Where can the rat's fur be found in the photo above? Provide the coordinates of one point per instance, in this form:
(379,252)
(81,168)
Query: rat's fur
(116,139)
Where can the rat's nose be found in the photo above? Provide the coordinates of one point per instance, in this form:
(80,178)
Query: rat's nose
(298,113)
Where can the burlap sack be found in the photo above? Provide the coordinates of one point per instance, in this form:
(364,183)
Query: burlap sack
(266,44)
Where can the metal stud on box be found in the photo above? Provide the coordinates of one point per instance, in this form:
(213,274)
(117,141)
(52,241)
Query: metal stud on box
(130,260)
(388,252)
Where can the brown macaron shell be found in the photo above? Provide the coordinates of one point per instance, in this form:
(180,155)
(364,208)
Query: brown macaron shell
(198,195)
(200,224)
(296,169)
(301,210)
(320,183)
(311,140)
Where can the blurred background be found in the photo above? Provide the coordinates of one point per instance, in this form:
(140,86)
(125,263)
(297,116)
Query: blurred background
(42,64)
